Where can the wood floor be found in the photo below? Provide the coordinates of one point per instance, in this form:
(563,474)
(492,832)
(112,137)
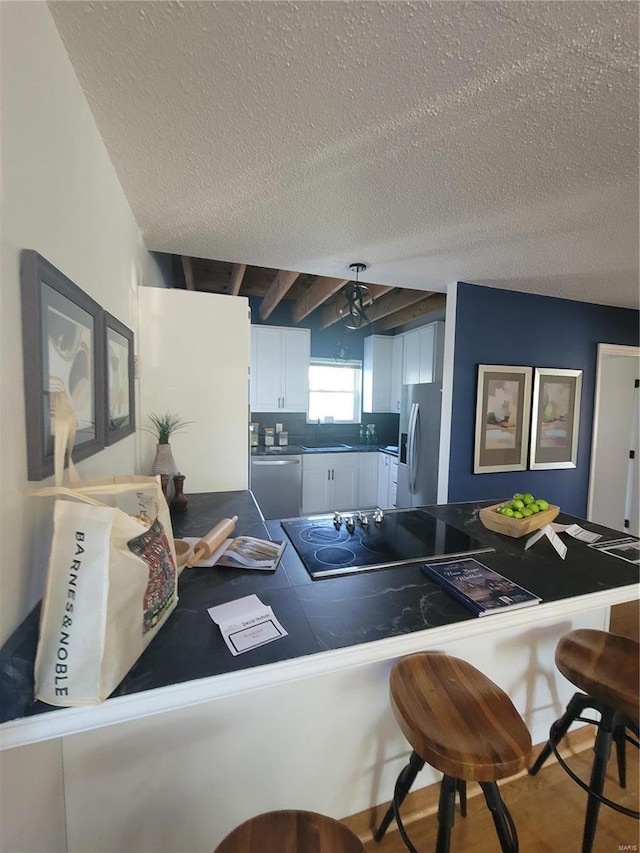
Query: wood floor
(548,811)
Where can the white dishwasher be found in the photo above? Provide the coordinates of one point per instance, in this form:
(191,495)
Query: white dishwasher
(277,485)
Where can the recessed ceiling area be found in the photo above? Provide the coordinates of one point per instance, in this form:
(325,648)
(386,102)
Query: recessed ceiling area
(488,142)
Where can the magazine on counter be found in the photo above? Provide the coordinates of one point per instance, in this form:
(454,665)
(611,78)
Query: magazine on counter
(478,587)
(244,552)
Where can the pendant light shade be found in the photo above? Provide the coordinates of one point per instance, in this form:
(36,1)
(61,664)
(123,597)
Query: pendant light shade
(357,297)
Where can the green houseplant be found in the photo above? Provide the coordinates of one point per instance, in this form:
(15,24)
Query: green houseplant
(163,427)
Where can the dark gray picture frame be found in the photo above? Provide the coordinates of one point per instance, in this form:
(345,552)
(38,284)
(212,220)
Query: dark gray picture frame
(120,413)
(63,349)
(503,409)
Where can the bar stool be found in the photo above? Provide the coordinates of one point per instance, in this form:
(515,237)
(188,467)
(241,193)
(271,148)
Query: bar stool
(605,667)
(291,832)
(465,726)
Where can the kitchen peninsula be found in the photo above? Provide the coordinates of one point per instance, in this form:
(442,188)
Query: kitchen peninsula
(302,722)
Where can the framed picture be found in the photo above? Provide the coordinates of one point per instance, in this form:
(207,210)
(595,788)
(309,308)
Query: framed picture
(556,418)
(503,406)
(63,350)
(120,402)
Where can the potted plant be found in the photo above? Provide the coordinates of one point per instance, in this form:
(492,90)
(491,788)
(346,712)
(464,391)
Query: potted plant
(163,427)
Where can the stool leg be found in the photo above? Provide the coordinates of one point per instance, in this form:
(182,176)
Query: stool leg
(502,819)
(620,740)
(576,706)
(602,751)
(461,788)
(446,812)
(403,785)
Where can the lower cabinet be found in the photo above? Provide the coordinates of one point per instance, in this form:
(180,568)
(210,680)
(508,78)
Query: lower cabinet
(330,481)
(387,480)
(368,486)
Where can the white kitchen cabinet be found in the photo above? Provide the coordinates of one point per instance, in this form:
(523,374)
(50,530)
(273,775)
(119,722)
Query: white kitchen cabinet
(330,481)
(396,373)
(279,369)
(423,354)
(376,373)
(368,485)
(387,480)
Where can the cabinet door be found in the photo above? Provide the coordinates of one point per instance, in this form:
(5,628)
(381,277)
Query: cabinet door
(295,369)
(411,358)
(316,487)
(393,481)
(368,485)
(383,480)
(396,374)
(345,471)
(376,373)
(265,380)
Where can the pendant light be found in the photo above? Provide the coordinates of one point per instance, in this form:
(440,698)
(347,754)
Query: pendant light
(357,297)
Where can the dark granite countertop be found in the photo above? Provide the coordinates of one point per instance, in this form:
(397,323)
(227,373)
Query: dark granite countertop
(298,450)
(320,615)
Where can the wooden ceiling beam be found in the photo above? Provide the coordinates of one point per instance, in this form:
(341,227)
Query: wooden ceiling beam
(435,302)
(237,274)
(395,301)
(187,268)
(314,296)
(281,284)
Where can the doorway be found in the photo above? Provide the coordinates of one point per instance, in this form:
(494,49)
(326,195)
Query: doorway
(614,481)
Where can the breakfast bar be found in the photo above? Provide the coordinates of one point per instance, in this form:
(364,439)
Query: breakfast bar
(194,740)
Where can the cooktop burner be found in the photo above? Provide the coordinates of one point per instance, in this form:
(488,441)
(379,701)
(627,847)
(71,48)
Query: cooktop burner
(328,546)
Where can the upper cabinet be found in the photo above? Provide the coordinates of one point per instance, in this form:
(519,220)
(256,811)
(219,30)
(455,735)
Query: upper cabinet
(279,369)
(376,373)
(423,354)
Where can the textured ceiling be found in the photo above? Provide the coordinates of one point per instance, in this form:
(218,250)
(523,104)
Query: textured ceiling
(490,142)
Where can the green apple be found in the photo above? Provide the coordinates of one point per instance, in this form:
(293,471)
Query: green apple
(507,511)
(528,499)
(534,508)
(542,504)
(518,496)
(526,512)
(517,504)
(517,514)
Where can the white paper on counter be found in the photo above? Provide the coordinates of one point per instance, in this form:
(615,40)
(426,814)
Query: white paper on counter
(246,623)
(553,537)
(577,532)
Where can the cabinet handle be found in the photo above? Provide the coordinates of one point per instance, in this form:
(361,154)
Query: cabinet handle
(328,473)
(333,474)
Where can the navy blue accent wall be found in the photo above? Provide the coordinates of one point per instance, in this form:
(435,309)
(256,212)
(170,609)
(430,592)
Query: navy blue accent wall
(504,327)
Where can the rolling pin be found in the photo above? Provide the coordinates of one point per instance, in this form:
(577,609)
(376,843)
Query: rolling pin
(213,539)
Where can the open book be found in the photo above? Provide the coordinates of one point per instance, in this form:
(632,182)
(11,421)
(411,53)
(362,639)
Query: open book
(244,552)
(478,587)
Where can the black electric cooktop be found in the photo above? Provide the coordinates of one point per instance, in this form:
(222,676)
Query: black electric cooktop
(328,548)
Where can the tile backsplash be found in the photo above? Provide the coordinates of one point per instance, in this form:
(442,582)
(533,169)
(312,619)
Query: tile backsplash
(302,432)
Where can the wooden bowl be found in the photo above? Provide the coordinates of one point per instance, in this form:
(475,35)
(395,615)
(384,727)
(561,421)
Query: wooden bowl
(183,552)
(516,527)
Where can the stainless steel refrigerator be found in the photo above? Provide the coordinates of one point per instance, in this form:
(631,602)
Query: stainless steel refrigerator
(419,444)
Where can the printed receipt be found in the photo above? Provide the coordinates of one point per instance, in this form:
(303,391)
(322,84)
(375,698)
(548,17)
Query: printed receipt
(246,623)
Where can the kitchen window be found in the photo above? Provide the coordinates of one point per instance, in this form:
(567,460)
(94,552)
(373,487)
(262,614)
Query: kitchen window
(334,391)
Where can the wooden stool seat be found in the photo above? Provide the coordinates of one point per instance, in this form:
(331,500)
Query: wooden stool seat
(463,725)
(604,665)
(457,719)
(291,832)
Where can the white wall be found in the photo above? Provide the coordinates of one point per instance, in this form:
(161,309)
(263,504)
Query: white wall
(60,196)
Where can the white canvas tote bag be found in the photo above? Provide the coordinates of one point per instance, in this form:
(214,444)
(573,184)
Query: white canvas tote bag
(111,582)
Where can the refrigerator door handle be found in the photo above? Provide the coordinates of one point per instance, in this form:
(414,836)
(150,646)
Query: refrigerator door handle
(415,452)
(411,446)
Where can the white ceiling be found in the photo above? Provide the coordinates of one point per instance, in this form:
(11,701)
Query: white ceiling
(489,142)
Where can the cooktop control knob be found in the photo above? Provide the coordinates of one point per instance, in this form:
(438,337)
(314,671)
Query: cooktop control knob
(337,519)
(378,515)
(364,521)
(350,524)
